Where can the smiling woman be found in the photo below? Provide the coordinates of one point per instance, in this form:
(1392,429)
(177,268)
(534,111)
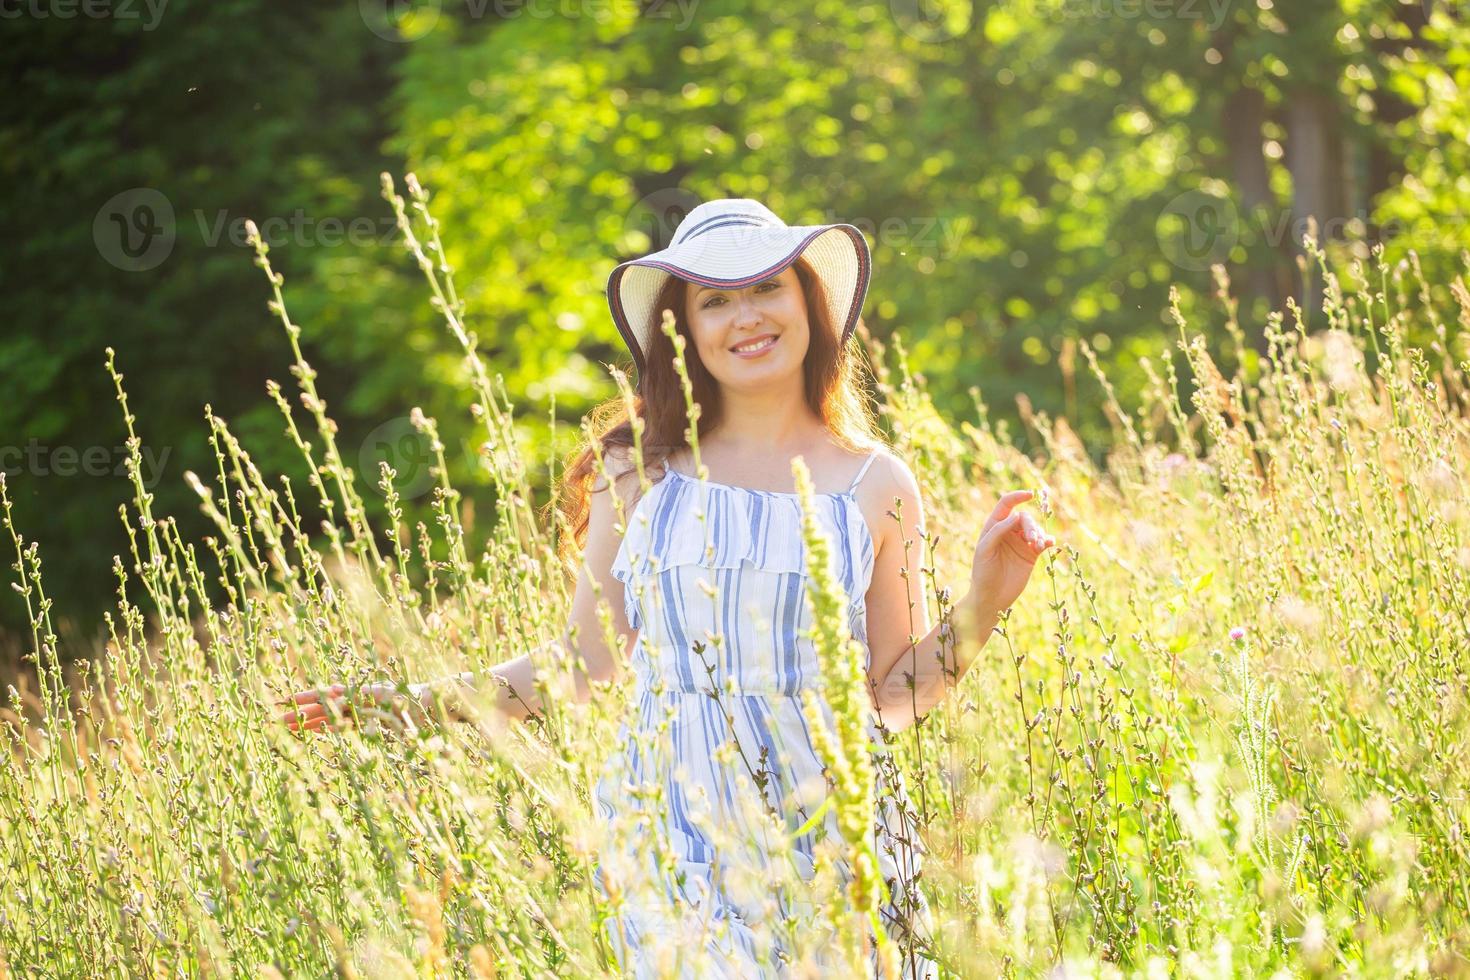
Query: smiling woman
(708,582)
(765,311)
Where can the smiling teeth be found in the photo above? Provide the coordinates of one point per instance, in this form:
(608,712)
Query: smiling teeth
(756,345)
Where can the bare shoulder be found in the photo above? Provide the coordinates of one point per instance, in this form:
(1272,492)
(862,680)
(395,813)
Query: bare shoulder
(893,473)
(889,493)
(622,467)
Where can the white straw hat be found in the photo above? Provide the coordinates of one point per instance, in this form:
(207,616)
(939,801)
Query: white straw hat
(732,243)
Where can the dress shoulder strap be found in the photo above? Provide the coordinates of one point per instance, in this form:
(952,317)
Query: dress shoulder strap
(862,472)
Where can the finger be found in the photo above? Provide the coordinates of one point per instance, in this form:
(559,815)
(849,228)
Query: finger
(299,720)
(1032,530)
(1037,534)
(1034,535)
(1007,503)
(1003,507)
(313,695)
(1026,533)
(317,723)
(317,714)
(998,532)
(1039,543)
(1019,537)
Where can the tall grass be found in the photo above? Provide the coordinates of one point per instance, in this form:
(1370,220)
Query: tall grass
(1223,733)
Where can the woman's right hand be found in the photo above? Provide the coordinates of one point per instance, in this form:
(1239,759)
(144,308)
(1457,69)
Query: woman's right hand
(379,700)
(1010,543)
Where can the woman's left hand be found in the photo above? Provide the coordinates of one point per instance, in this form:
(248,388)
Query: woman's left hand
(379,703)
(1009,545)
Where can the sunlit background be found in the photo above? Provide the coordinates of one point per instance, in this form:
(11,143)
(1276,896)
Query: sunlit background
(1032,176)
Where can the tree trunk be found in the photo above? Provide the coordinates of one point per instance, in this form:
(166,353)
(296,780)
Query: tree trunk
(1242,119)
(1314,157)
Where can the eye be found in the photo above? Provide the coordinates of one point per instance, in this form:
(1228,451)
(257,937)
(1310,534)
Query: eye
(773,283)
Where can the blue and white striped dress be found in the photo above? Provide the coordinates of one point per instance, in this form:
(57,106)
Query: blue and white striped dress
(720,604)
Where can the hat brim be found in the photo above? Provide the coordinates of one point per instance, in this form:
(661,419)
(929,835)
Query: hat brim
(837,252)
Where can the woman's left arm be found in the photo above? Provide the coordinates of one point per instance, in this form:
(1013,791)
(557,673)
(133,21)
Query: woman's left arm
(913,664)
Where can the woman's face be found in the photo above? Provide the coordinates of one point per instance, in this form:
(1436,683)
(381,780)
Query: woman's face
(771,312)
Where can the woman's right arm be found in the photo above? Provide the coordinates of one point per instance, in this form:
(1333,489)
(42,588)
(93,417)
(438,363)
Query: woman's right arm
(514,681)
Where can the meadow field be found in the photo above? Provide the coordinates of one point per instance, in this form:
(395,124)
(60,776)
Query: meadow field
(1222,734)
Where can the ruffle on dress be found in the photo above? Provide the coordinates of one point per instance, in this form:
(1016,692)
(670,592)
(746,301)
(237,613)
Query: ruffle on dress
(760,529)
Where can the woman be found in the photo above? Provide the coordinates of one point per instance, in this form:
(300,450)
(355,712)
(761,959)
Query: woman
(707,586)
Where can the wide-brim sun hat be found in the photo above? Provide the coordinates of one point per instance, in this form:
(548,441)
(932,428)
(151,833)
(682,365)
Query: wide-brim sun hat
(729,244)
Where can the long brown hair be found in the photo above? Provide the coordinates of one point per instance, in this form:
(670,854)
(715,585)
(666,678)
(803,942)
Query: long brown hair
(835,376)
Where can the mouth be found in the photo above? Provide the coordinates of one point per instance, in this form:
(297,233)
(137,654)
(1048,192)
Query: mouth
(756,346)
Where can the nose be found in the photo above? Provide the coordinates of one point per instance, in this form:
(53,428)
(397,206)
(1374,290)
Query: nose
(746,312)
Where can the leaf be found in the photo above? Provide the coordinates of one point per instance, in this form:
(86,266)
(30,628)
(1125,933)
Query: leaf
(815,818)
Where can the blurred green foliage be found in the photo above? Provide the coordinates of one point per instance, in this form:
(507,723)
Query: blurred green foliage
(1031,175)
